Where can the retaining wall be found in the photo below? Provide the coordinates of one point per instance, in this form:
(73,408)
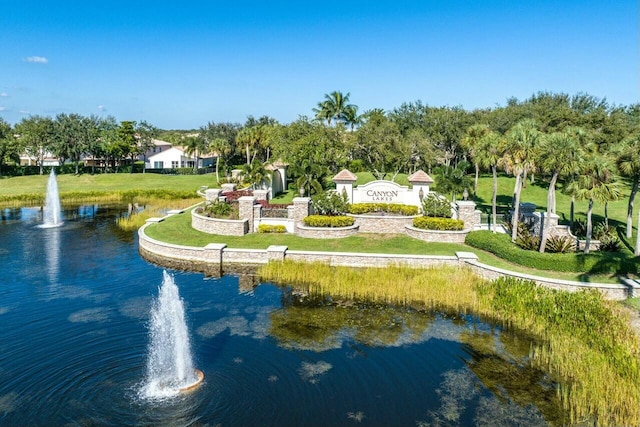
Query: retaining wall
(225,227)
(217,257)
(326,232)
(387,224)
(436,235)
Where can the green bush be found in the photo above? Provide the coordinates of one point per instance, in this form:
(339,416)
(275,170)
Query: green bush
(436,206)
(220,210)
(560,245)
(394,208)
(328,221)
(330,203)
(500,245)
(434,223)
(268,228)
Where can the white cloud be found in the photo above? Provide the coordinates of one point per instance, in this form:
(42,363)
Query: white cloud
(102,108)
(23,112)
(37,59)
(3,109)
(3,95)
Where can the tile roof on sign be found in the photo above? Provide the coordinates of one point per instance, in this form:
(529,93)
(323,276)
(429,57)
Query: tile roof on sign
(420,177)
(345,175)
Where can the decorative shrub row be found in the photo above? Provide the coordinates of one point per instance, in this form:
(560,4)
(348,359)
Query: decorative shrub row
(268,228)
(395,208)
(235,195)
(328,221)
(500,245)
(436,223)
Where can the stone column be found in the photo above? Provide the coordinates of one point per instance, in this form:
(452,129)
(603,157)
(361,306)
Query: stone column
(212,194)
(301,207)
(467,213)
(245,210)
(541,220)
(261,194)
(228,187)
(276,252)
(213,252)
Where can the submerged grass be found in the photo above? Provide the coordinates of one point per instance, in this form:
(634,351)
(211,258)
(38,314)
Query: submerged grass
(584,341)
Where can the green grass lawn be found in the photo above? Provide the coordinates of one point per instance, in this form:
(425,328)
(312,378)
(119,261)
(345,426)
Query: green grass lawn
(177,230)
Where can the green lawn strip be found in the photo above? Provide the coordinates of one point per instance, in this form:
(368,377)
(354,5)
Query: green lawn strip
(177,230)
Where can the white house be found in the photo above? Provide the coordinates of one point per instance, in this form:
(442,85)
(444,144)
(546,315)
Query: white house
(163,155)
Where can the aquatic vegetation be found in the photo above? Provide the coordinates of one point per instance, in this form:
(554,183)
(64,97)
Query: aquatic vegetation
(581,342)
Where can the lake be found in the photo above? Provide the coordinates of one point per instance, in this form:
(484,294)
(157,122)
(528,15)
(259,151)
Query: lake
(74,312)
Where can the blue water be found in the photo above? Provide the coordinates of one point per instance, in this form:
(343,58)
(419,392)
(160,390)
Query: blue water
(74,305)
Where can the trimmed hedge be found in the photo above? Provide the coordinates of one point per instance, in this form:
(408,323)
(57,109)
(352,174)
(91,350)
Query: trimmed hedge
(500,245)
(395,208)
(328,221)
(438,223)
(268,228)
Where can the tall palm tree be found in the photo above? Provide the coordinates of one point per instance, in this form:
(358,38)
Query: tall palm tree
(221,147)
(561,155)
(489,153)
(351,117)
(628,161)
(335,106)
(194,145)
(470,142)
(256,174)
(595,182)
(522,139)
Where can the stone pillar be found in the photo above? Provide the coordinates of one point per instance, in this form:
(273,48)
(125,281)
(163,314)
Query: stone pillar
(213,252)
(212,194)
(540,220)
(245,210)
(301,208)
(276,253)
(261,194)
(467,212)
(228,187)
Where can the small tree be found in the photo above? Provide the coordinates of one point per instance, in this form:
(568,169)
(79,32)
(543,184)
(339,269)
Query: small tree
(436,206)
(330,203)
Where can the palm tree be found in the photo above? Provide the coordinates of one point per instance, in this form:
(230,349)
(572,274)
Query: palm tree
(351,117)
(194,145)
(221,147)
(309,176)
(628,161)
(256,174)
(561,155)
(489,153)
(595,182)
(335,106)
(522,139)
(470,142)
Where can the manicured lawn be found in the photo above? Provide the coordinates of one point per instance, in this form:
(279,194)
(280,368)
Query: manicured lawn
(177,230)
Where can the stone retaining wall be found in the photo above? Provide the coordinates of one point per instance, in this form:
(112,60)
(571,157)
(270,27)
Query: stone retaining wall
(216,257)
(225,227)
(326,232)
(387,224)
(437,235)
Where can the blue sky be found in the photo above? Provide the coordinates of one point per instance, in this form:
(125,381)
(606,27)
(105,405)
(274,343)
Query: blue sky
(179,65)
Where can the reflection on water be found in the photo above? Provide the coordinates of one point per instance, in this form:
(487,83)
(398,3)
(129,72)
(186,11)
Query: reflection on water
(75,353)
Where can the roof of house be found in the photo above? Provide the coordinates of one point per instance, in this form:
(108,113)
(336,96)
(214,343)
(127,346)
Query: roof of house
(420,177)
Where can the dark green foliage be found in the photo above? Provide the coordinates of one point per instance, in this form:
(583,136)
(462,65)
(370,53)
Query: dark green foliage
(433,223)
(221,210)
(559,245)
(593,263)
(435,206)
(328,221)
(382,208)
(330,203)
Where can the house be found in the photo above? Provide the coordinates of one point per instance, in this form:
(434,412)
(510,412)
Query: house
(163,155)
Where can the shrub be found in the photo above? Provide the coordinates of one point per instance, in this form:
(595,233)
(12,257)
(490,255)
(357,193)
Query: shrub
(328,221)
(434,223)
(593,263)
(610,244)
(219,209)
(330,203)
(394,208)
(559,245)
(268,228)
(235,195)
(435,205)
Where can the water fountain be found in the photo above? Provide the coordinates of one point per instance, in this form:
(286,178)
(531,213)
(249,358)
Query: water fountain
(52,216)
(170,369)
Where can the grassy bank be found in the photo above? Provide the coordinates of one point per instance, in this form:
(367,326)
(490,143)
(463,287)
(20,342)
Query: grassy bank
(583,340)
(28,190)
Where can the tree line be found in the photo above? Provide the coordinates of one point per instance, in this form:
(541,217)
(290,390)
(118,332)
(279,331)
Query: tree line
(580,142)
